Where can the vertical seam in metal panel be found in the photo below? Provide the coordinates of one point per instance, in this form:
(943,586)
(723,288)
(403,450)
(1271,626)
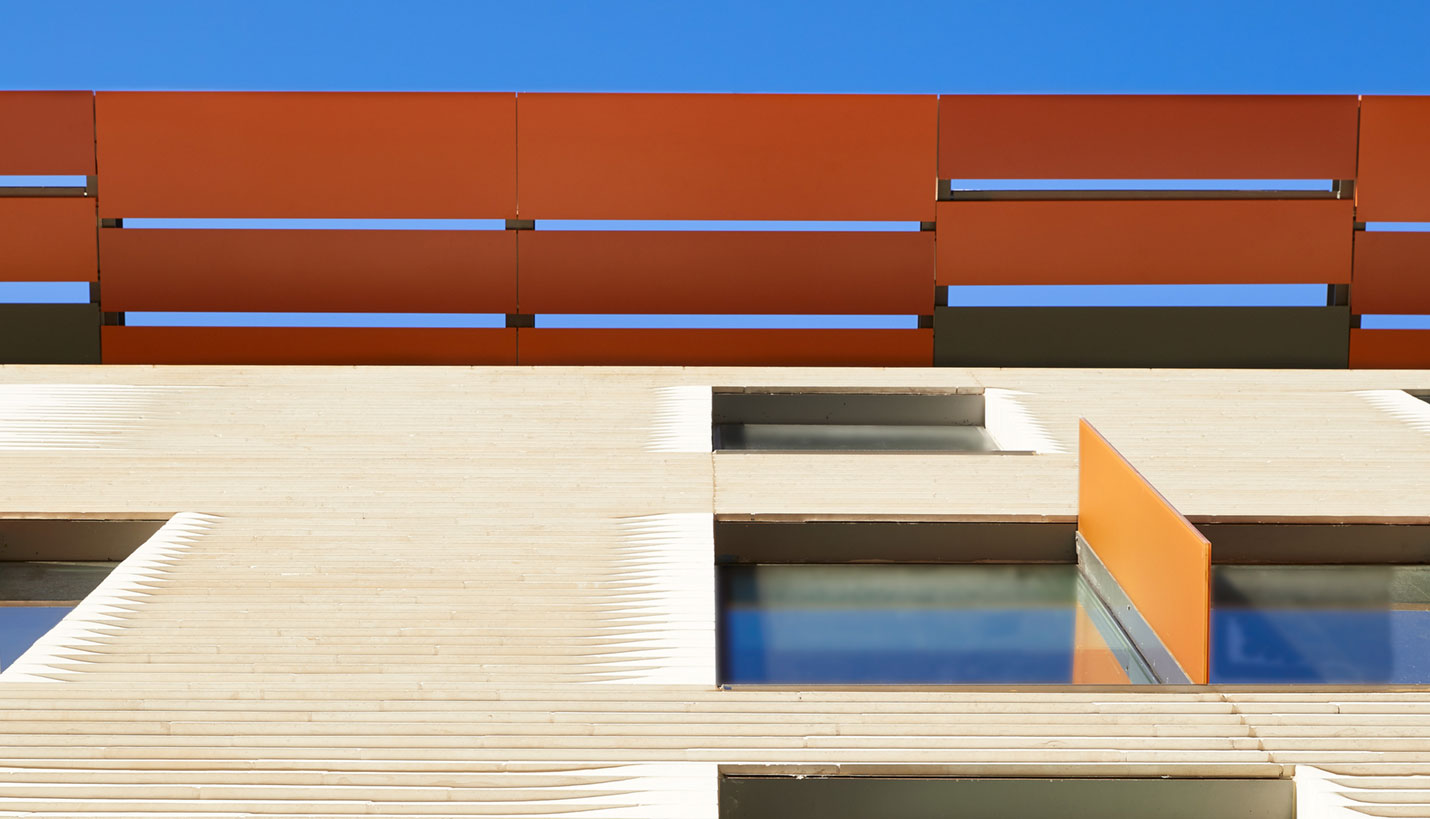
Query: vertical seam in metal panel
(516,194)
(1351,320)
(98,267)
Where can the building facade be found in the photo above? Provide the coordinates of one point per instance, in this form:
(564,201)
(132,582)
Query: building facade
(762,589)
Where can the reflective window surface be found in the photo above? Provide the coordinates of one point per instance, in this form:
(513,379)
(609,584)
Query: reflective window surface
(36,595)
(908,623)
(1321,624)
(887,437)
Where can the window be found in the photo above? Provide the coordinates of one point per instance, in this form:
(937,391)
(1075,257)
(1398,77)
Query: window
(880,602)
(767,796)
(876,602)
(47,566)
(1320,603)
(807,419)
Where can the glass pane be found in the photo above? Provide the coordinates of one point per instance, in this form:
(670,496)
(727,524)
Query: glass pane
(35,595)
(854,437)
(21,626)
(1321,624)
(869,624)
(51,580)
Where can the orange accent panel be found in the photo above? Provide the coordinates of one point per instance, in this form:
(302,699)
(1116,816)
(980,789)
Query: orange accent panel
(1145,242)
(1394,182)
(1161,561)
(1147,137)
(1093,660)
(727,156)
(726,272)
(1390,349)
(306,345)
(47,133)
(836,348)
(384,271)
(1392,273)
(47,240)
(307,155)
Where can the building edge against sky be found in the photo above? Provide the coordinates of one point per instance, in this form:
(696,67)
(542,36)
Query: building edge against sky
(492,590)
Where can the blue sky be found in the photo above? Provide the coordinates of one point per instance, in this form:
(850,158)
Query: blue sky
(1300,46)
(935,47)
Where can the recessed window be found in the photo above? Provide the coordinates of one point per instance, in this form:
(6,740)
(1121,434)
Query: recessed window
(767,796)
(871,602)
(1423,396)
(878,602)
(1320,603)
(47,566)
(815,420)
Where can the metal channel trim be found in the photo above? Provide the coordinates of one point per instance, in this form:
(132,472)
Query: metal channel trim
(1164,666)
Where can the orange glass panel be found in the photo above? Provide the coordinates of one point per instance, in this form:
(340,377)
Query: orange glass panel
(385,271)
(835,348)
(47,133)
(1093,660)
(47,240)
(1160,560)
(1394,181)
(1147,137)
(1392,273)
(1390,349)
(306,345)
(307,155)
(726,272)
(727,156)
(1145,242)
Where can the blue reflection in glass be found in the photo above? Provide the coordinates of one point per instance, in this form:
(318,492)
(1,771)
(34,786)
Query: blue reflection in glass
(21,626)
(870,624)
(883,646)
(1334,625)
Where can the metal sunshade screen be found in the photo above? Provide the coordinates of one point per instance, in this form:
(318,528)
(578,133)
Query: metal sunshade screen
(727,156)
(1159,559)
(728,272)
(1145,242)
(47,240)
(307,155)
(1394,181)
(1274,337)
(1390,349)
(307,345)
(1147,137)
(1392,273)
(360,271)
(49,334)
(44,133)
(755,347)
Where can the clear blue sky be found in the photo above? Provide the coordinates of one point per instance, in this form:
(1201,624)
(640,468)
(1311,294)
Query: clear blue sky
(775,45)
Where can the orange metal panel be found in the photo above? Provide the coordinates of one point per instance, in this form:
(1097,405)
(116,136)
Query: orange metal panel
(306,345)
(726,272)
(1390,349)
(307,155)
(838,348)
(1093,660)
(47,240)
(1145,242)
(727,156)
(387,271)
(1394,181)
(1392,273)
(1161,561)
(1147,137)
(47,133)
